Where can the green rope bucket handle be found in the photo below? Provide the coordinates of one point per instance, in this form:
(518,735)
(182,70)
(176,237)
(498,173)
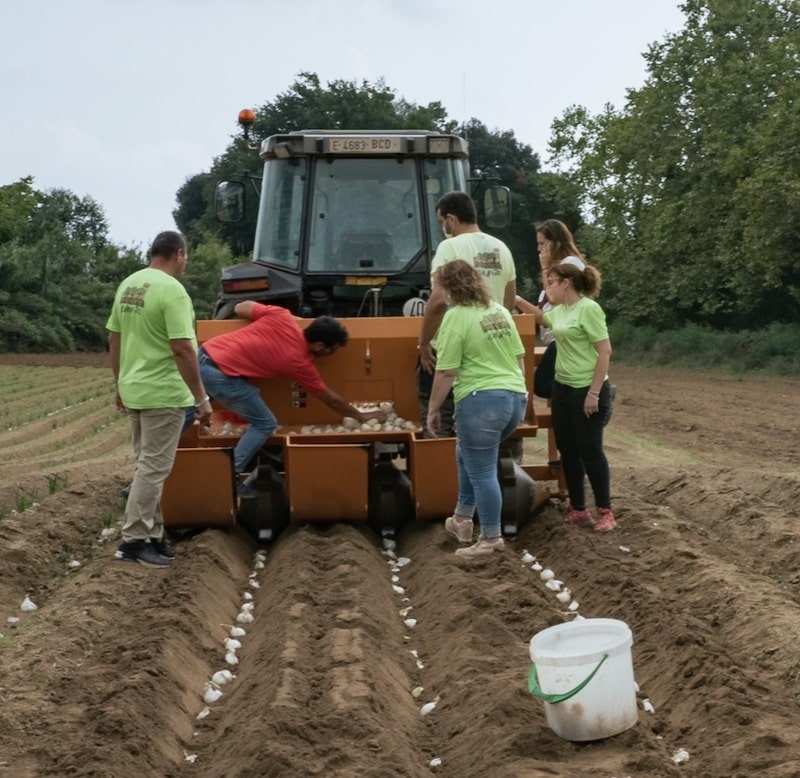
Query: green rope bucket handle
(536,690)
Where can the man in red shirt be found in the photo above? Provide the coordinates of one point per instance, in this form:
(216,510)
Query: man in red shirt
(273,345)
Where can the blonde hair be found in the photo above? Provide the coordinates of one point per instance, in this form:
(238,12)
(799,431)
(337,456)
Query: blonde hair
(464,284)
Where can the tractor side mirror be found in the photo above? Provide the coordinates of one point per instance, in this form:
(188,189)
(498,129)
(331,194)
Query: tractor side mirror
(229,201)
(497,207)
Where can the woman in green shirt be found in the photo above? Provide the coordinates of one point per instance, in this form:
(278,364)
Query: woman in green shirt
(480,355)
(581,402)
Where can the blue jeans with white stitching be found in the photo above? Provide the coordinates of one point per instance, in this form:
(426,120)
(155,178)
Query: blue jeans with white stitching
(244,399)
(483,421)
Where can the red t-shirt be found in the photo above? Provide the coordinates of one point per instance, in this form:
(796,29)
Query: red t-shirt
(272,345)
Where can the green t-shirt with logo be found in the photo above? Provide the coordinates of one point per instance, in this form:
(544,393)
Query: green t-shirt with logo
(484,345)
(150,309)
(576,328)
(487,254)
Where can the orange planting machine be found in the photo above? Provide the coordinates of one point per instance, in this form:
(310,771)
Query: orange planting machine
(312,469)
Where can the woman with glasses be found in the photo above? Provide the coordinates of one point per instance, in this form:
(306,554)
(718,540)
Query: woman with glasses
(554,242)
(581,397)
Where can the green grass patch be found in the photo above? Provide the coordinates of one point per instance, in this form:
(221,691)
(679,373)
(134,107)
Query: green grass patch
(55,483)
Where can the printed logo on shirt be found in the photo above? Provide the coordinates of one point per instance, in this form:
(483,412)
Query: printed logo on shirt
(132,299)
(495,325)
(489,264)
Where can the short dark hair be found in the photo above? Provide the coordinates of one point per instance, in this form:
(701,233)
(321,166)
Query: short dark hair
(460,205)
(168,243)
(326,330)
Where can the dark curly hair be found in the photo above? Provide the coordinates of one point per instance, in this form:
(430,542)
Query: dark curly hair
(326,330)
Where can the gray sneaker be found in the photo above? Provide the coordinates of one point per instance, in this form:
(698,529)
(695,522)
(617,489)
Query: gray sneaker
(483,548)
(143,552)
(462,528)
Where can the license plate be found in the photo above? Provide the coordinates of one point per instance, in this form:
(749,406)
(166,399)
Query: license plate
(365,280)
(370,144)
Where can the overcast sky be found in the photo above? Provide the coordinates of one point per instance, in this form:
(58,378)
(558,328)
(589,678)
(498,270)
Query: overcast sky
(123,100)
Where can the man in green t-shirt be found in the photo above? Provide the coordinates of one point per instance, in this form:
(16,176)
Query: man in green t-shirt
(154,359)
(492,259)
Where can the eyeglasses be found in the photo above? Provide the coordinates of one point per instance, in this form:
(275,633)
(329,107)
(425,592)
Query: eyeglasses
(556,280)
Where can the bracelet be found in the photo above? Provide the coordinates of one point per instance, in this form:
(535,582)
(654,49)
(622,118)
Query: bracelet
(206,399)
(593,394)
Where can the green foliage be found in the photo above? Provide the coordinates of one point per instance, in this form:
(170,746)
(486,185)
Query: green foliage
(772,349)
(535,195)
(694,187)
(17,204)
(58,272)
(22,502)
(56,482)
(201,277)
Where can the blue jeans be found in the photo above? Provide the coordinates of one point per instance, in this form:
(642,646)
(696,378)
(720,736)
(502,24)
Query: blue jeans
(244,399)
(580,441)
(483,421)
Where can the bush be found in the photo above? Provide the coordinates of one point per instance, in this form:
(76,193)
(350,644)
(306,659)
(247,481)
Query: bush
(771,350)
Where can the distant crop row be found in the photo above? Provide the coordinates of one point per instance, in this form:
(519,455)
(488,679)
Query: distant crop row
(57,424)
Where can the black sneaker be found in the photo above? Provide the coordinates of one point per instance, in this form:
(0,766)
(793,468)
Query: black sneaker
(143,552)
(162,547)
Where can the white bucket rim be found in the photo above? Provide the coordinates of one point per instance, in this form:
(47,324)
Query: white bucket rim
(541,654)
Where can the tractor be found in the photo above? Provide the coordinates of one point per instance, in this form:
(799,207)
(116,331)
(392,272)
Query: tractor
(346,227)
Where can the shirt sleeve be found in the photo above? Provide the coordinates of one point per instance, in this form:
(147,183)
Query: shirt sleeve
(444,253)
(594,324)
(179,316)
(307,375)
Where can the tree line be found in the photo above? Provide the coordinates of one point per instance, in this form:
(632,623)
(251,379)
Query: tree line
(687,198)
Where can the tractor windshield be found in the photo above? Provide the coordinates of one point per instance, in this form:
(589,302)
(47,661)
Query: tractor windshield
(365,216)
(362,216)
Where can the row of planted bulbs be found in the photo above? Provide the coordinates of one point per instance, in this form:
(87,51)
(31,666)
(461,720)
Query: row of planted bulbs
(396,564)
(233,642)
(564,595)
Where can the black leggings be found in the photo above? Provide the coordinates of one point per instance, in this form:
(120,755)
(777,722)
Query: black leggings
(580,441)
(545,372)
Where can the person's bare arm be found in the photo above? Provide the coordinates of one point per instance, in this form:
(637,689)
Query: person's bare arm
(525,305)
(434,313)
(510,295)
(337,403)
(592,402)
(114,340)
(442,384)
(603,349)
(244,309)
(186,360)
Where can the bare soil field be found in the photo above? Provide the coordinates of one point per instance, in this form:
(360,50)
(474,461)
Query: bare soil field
(107,676)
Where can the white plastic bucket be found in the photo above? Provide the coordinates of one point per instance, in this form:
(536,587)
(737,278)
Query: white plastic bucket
(583,672)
